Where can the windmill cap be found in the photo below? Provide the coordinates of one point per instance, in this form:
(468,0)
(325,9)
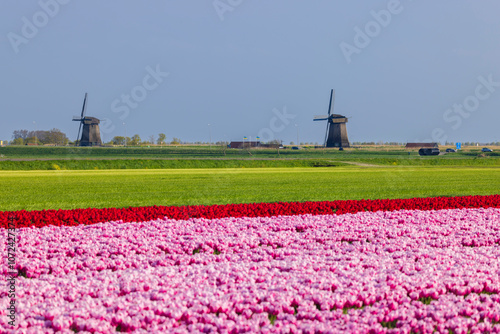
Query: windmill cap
(91,120)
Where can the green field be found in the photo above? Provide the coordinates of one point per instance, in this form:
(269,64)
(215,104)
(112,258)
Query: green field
(36,178)
(94,164)
(36,190)
(90,158)
(196,152)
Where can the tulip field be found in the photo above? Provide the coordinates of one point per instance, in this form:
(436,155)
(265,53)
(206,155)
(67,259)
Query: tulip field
(428,265)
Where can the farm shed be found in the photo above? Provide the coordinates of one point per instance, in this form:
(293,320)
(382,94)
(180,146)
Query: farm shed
(410,146)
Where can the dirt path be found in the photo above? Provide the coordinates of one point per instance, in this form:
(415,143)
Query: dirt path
(360,164)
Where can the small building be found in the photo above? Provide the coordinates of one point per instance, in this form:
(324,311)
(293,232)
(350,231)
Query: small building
(244,144)
(413,146)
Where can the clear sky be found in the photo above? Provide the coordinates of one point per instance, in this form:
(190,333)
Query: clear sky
(402,70)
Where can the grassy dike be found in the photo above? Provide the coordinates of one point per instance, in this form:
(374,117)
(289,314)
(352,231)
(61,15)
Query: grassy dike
(183,163)
(101,164)
(203,152)
(66,189)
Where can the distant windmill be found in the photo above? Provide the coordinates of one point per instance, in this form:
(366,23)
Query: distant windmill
(91,136)
(336,131)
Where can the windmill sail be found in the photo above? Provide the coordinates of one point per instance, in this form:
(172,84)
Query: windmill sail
(326,134)
(84,105)
(332,101)
(81,118)
(330,108)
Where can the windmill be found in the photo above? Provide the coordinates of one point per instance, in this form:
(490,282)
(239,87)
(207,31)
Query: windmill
(91,136)
(336,131)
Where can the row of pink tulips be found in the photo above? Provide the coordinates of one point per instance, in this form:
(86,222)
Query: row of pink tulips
(400,271)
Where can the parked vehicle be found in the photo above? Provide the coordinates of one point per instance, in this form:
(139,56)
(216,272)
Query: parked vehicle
(429,151)
(450,150)
(485,149)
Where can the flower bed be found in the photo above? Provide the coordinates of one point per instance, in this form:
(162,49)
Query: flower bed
(91,216)
(399,271)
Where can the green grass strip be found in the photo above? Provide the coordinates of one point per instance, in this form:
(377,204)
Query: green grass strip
(161,164)
(38,190)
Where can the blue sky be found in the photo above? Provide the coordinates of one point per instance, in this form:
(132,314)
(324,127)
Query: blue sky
(402,70)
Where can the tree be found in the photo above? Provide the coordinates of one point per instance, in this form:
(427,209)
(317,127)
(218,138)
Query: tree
(223,145)
(31,140)
(17,141)
(23,134)
(152,139)
(161,139)
(175,141)
(55,136)
(118,140)
(135,140)
(38,136)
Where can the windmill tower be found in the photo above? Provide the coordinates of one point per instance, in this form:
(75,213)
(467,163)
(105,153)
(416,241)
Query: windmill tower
(336,131)
(91,135)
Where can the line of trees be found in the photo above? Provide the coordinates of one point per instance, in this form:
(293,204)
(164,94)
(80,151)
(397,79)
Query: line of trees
(136,140)
(57,137)
(54,136)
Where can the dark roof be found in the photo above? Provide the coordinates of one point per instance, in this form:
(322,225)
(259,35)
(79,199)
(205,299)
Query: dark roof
(239,144)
